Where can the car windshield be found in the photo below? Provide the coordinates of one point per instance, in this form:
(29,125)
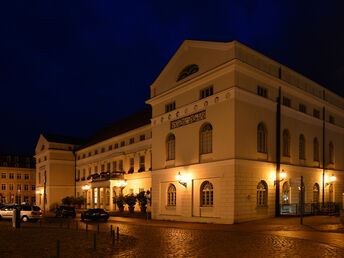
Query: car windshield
(96,210)
(26,208)
(68,208)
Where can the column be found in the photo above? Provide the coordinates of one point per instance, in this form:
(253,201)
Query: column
(104,198)
(92,197)
(111,199)
(98,197)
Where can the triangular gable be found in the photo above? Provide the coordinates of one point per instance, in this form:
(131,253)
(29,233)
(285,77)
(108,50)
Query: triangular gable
(206,55)
(41,141)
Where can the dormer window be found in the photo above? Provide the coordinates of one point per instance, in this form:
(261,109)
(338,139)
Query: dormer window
(190,69)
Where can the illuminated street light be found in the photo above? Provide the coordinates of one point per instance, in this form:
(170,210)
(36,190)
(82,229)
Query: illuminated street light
(181,179)
(85,188)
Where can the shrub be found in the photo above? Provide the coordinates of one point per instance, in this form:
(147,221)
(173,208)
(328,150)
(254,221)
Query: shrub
(119,200)
(68,200)
(142,199)
(130,200)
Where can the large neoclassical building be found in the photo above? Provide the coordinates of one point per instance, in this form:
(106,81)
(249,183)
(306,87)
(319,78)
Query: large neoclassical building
(228,136)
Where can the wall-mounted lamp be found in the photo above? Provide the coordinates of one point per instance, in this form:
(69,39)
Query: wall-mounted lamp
(181,179)
(121,184)
(332,180)
(283,176)
(86,187)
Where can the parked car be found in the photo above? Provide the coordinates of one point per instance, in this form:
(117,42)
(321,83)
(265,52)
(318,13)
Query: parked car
(65,211)
(95,214)
(27,212)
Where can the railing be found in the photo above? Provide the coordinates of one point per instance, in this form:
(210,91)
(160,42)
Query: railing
(106,176)
(294,209)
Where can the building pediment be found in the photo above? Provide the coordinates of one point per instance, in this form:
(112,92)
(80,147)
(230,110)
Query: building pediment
(192,59)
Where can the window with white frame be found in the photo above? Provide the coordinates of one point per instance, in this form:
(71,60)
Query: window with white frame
(171,195)
(170,146)
(206,139)
(120,165)
(262,194)
(131,165)
(114,165)
(286,193)
(26,187)
(207,194)
(3,187)
(316,191)
(261,138)
(3,175)
(142,163)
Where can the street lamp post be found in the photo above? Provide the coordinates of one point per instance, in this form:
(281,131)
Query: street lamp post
(85,188)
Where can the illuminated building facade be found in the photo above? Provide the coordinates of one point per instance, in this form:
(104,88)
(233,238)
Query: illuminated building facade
(229,135)
(17,179)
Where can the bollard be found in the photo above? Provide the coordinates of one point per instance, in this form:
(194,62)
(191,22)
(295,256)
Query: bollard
(86,227)
(58,248)
(98,228)
(94,241)
(117,232)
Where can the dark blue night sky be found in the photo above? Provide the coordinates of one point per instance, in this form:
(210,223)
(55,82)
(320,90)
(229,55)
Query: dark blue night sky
(72,67)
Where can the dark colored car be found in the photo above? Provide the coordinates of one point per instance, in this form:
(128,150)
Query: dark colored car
(65,211)
(95,214)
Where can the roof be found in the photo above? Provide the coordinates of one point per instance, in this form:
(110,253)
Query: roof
(124,125)
(63,139)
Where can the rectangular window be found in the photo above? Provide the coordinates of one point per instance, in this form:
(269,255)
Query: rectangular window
(3,187)
(302,108)
(170,106)
(102,168)
(122,143)
(3,175)
(33,188)
(26,199)
(26,176)
(316,113)
(89,154)
(96,169)
(142,163)
(26,187)
(11,175)
(33,199)
(11,187)
(131,140)
(110,147)
(18,176)
(108,166)
(331,119)
(142,137)
(19,187)
(131,165)
(83,174)
(116,145)
(103,149)
(206,92)
(114,166)
(95,152)
(261,91)
(83,156)
(286,101)
(89,171)
(120,165)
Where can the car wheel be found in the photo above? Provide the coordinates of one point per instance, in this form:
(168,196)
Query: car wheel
(25,219)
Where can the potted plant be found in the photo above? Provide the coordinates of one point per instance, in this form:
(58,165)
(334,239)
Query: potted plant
(130,200)
(143,201)
(68,200)
(78,201)
(119,201)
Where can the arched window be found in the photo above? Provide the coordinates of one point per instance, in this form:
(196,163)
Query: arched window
(316,193)
(206,139)
(207,194)
(190,69)
(262,194)
(331,152)
(171,195)
(261,138)
(170,147)
(286,143)
(330,193)
(315,149)
(302,147)
(286,193)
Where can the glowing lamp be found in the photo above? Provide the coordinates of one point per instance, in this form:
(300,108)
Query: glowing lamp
(121,184)
(86,187)
(181,179)
(38,192)
(283,175)
(332,178)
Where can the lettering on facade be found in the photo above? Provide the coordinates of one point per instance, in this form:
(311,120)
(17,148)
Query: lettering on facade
(188,119)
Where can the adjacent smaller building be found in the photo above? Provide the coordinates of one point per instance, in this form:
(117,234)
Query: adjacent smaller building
(17,179)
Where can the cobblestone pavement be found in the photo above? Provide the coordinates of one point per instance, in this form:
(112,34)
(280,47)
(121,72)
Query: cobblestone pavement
(140,238)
